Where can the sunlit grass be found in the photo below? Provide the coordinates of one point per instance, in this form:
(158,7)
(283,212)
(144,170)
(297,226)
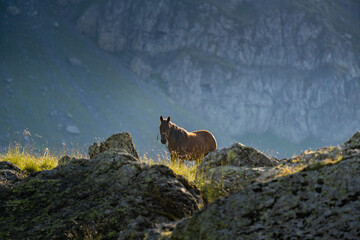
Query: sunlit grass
(284,170)
(210,190)
(27,160)
(187,170)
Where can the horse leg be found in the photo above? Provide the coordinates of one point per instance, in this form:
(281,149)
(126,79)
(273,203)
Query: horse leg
(198,159)
(173,157)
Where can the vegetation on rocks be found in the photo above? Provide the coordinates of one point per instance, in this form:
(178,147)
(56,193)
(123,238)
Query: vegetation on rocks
(28,161)
(229,169)
(112,195)
(116,195)
(318,200)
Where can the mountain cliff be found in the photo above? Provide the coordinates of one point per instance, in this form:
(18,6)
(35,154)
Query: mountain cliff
(287,68)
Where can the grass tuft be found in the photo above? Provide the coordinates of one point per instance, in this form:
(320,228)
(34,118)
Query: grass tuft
(187,170)
(27,160)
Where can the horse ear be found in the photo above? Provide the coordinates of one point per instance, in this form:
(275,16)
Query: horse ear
(161,118)
(168,119)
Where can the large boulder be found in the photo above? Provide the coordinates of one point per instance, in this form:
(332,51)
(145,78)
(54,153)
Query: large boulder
(111,196)
(353,142)
(4,165)
(229,169)
(117,142)
(318,200)
(9,172)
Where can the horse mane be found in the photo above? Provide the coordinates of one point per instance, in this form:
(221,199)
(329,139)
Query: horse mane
(177,133)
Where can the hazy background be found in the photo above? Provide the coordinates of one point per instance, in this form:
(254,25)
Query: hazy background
(282,76)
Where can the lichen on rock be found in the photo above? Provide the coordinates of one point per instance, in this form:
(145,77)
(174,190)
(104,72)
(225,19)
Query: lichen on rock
(116,142)
(353,142)
(113,196)
(229,169)
(319,200)
(10,173)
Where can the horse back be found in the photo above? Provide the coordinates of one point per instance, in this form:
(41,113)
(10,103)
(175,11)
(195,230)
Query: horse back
(208,139)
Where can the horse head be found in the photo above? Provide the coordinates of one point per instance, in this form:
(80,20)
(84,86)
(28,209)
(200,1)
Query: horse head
(164,129)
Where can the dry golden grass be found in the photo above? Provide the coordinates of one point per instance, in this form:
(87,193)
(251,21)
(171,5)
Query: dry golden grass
(29,161)
(187,170)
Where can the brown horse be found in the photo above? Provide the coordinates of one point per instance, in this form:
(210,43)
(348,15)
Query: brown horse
(184,145)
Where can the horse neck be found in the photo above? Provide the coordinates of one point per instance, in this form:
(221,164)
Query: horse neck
(176,132)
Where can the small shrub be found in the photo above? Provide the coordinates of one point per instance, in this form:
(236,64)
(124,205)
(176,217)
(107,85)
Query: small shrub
(211,190)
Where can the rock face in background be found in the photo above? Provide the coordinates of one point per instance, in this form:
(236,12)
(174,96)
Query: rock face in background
(112,196)
(321,201)
(86,95)
(288,68)
(277,68)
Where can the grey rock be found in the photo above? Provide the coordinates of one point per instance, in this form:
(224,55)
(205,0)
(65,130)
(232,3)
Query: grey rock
(72,129)
(13,10)
(62,2)
(87,23)
(53,113)
(4,165)
(318,202)
(66,2)
(142,69)
(353,142)
(65,160)
(76,62)
(9,176)
(229,169)
(112,195)
(77,1)
(117,142)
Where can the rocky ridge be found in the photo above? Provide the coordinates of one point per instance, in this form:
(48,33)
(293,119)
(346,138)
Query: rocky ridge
(320,200)
(118,142)
(110,196)
(114,195)
(227,170)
